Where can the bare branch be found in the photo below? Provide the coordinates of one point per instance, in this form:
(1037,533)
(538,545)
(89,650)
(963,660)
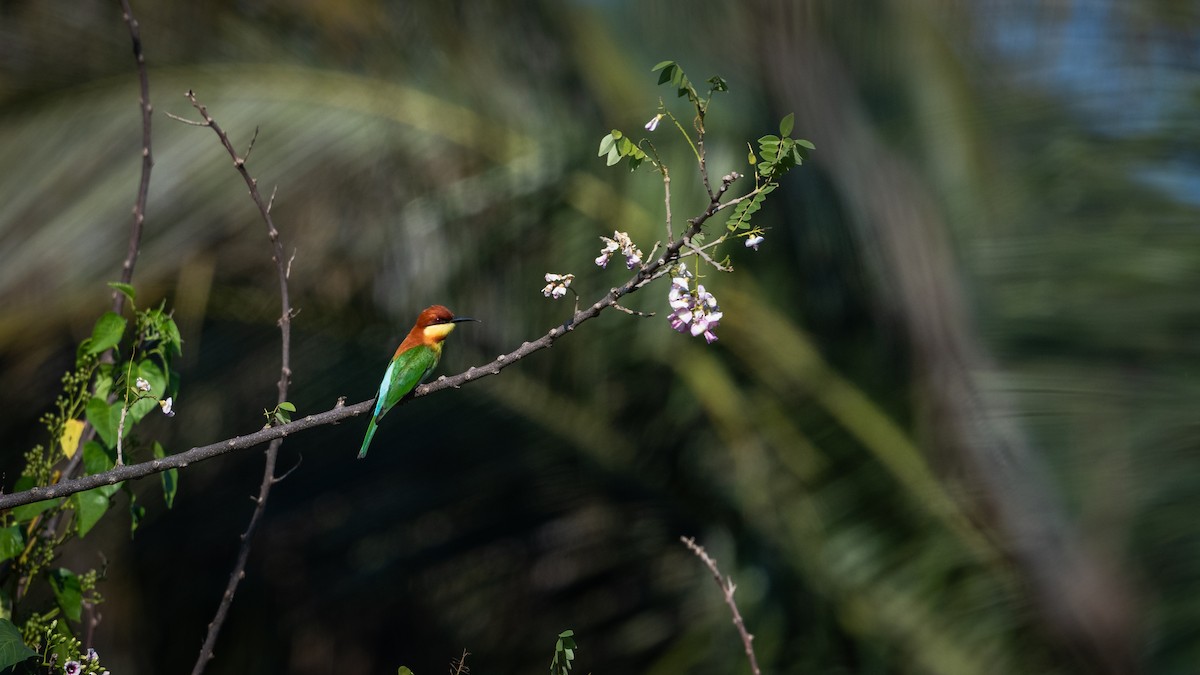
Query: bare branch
(182,459)
(727,589)
(139,207)
(269,479)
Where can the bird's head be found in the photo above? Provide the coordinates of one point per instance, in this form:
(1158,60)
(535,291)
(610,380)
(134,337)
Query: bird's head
(436,322)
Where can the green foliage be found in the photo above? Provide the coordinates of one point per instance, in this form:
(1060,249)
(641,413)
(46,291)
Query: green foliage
(113,396)
(782,153)
(673,74)
(617,146)
(136,512)
(170,477)
(281,414)
(564,653)
(67,592)
(12,542)
(776,156)
(89,506)
(740,218)
(54,644)
(107,334)
(126,289)
(104,418)
(13,649)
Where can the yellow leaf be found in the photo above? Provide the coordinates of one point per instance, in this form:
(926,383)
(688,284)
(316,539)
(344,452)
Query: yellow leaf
(72,430)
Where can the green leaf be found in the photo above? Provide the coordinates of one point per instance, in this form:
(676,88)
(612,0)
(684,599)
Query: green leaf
(289,407)
(67,592)
(126,289)
(718,83)
(785,126)
(27,512)
(606,144)
(13,649)
(107,333)
(149,371)
(90,506)
(105,419)
(170,477)
(12,542)
(96,458)
(806,144)
(171,334)
(136,513)
(661,65)
(668,72)
(614,156)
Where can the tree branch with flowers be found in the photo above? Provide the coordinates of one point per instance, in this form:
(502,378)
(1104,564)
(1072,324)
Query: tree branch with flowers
(50,503)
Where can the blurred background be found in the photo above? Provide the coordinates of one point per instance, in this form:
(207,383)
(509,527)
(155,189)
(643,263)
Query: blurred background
(949,426)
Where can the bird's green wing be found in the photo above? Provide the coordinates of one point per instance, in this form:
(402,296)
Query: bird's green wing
(404,373)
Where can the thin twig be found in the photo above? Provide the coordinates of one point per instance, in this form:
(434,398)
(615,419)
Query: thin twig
(699,251)
(632,312)
(139,207)
(285,374)
(667,199)
(727,589)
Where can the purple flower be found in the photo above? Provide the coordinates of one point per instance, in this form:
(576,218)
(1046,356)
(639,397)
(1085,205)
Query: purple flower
(753,242)
(71,668)
(620,242)
(694,312)
(653,123)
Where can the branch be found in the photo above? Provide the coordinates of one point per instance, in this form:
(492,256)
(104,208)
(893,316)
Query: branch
(727,589)
(285,375)
(139,207)
(645,274)
(183,459)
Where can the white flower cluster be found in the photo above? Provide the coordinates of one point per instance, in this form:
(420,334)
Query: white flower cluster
(620,242)
(557,285)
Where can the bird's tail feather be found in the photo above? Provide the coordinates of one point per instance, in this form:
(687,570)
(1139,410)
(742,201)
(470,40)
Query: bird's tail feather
(367,439)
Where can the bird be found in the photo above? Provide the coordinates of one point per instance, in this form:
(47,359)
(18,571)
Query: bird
(413,362)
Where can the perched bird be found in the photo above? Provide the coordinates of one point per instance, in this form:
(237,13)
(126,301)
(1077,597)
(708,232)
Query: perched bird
(414,360)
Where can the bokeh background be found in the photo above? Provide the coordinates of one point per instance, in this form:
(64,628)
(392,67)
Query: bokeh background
(949,426)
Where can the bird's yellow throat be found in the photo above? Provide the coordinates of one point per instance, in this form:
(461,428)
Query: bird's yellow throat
(437,332)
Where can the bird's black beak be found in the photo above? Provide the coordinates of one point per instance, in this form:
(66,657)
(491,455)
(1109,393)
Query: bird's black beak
(460,319)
